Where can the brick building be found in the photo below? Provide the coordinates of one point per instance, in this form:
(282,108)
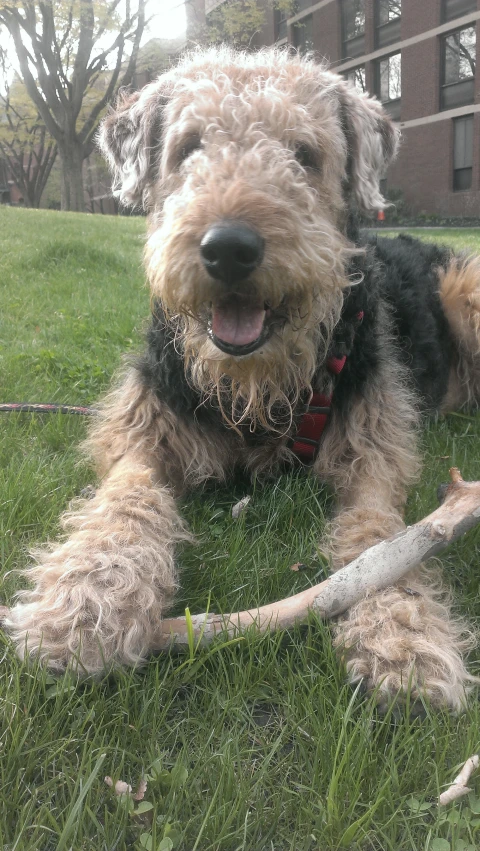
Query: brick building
(419,58)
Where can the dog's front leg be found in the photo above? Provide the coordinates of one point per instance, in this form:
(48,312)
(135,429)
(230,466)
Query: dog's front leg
(403,638)
(98,596)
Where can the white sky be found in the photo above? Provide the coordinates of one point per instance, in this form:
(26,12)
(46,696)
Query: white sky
(169,20)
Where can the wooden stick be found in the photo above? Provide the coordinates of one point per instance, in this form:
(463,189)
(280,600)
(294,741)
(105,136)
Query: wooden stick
(459,786)
(378,567)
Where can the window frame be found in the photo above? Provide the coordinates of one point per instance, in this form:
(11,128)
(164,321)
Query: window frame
(299,27)
(280,17)
(467,83)
(353,71)
(455,171)
(445,18)
(389,32)
(357,40)
(393,106)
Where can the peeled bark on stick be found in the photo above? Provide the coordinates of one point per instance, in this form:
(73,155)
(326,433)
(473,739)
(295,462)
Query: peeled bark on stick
(459,786)
(378,567)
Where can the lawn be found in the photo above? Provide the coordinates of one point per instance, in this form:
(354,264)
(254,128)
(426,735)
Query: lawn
(256,744)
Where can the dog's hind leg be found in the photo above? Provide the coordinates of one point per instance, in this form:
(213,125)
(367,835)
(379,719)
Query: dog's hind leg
(460,296)
(98,596)
(403,638)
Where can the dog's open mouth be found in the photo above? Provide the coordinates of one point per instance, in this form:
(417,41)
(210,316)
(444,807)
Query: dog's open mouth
(239,324)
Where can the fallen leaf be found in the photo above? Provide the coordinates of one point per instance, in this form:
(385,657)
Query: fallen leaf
(239,507)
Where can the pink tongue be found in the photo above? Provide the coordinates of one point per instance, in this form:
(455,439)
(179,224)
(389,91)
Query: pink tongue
(237,321)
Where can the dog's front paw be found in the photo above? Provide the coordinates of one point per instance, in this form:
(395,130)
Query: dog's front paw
(80,627)
(60,640)
(404,647)
(408,680)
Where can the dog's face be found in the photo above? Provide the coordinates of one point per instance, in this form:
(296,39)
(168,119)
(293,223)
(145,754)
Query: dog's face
(247,165)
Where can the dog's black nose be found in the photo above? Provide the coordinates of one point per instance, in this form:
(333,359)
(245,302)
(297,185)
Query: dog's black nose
(231,251)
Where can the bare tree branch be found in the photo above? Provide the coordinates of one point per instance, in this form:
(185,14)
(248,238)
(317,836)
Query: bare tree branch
(114,84)
(84,49)
(24,57)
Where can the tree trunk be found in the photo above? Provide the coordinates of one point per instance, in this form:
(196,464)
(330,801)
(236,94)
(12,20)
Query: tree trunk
(28,198)
(72,192)
(43,169)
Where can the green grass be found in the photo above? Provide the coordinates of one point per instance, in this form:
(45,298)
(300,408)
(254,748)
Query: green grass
(256,744)
(460,239)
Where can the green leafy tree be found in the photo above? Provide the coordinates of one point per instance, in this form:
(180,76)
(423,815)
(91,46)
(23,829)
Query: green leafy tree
(73,56)
(236,22)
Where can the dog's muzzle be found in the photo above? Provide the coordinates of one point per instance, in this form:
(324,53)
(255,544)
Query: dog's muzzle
(231,251)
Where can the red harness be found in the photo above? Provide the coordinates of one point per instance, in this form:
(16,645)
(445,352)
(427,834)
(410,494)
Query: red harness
(315,418)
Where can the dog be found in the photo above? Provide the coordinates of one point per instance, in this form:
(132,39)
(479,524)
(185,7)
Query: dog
(253,169)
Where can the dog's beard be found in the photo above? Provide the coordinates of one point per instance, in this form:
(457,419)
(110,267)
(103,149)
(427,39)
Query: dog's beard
(261,389)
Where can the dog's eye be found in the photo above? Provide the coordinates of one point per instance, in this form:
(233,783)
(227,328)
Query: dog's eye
(306,157)
(188,147)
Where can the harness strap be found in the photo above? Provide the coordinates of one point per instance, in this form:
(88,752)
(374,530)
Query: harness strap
(313,423)
(315,418)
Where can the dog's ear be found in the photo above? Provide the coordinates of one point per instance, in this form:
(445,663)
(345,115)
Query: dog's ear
(129,137)
(372,143)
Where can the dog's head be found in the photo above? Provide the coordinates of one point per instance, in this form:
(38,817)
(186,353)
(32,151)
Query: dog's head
(247,165)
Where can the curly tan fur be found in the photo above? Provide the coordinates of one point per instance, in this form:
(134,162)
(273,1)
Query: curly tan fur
(404,638)
(134,422)
(460,295)
(98,596)
(216,139)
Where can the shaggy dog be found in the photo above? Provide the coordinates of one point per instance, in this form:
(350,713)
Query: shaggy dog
(264,298)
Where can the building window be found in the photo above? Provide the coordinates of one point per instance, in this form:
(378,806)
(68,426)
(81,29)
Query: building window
(353,28)
(388,22)
(303,34)
(281,17)
(357,78)
(458,77)
(389,83)
(455,8)
(462,152)
(303,5)
(388,10)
